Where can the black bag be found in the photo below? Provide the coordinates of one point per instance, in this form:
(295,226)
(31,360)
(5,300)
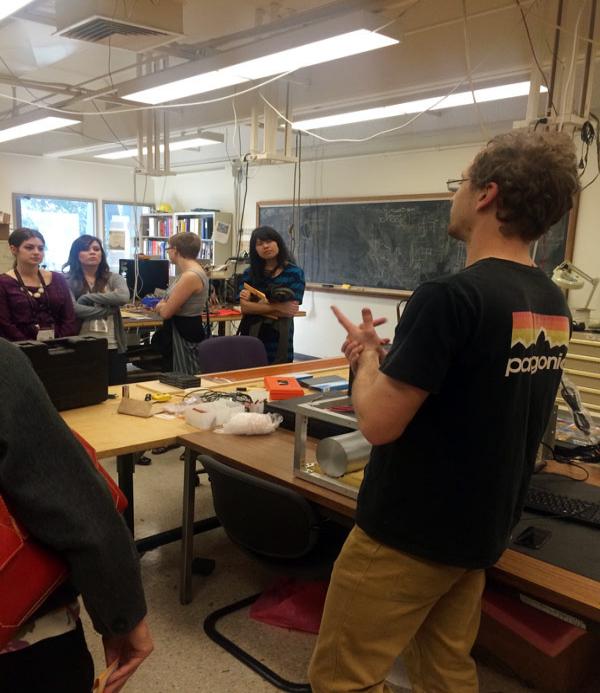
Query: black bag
(190,328)
(162,339)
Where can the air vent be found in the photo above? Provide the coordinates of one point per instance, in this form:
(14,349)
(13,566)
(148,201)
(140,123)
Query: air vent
(145,24)
(99,29)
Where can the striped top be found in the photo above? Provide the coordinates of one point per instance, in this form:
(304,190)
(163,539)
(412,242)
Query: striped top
(292,278)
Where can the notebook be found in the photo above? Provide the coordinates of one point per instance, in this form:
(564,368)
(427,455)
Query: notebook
(325,383)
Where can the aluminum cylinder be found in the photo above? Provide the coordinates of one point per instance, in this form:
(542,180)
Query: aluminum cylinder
(343,454)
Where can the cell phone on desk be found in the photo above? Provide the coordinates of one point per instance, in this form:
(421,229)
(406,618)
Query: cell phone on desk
(533,537)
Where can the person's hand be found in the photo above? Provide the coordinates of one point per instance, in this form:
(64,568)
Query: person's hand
(287,309)
(352,351)
(157,308)
(363,335)
(245,295)
(130,650)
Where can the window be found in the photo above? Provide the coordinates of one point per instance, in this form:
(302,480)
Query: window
(59,221)
(121,221)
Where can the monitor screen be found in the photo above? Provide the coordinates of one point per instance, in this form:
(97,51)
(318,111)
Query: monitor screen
(153,274)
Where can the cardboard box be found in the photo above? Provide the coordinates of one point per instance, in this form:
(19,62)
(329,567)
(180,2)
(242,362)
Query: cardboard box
(4,231)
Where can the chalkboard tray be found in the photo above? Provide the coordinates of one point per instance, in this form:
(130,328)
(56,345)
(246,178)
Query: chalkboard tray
(393,242)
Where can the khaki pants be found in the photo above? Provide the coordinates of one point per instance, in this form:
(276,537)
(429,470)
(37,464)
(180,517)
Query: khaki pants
(382,602)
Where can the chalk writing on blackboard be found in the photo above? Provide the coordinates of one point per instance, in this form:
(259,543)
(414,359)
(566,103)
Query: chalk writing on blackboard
(383,243)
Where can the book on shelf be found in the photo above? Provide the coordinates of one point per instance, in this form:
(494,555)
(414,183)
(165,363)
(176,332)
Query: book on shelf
(158,227)
(189,224)
(154,247)
(207,228)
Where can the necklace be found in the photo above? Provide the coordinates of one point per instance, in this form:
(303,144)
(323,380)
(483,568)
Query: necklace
(34,292)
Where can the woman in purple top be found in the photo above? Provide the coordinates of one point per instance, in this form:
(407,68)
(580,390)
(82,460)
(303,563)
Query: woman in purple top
(34,303)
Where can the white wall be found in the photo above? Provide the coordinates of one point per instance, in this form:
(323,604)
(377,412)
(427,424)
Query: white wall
(36,175)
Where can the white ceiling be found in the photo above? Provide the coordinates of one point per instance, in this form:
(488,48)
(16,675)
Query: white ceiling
(431,58)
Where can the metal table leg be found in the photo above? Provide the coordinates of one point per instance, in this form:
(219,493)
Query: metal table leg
(187,529)
(125,470)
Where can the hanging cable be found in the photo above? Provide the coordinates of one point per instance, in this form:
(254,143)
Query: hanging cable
(534,55)
(467,44)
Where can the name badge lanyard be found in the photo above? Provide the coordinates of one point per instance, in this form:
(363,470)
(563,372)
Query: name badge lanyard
(34,303)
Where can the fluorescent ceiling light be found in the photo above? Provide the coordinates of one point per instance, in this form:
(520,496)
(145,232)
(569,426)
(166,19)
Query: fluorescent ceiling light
(33,127)
(465,98)
(173,147)
(314,53)
(8,7)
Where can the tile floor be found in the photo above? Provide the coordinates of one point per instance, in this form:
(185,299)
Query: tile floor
(185,659)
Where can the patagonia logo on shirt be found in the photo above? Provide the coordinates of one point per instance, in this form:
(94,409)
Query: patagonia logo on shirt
(539,343)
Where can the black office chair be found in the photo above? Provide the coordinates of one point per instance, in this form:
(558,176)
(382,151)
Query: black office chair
(277,526)
(231,353)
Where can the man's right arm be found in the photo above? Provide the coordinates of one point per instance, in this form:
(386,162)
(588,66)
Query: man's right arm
(383,406)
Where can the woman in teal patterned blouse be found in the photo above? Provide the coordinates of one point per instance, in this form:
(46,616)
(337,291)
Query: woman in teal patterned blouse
(273,272)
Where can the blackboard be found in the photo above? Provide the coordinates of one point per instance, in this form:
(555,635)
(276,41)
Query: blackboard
(388,243)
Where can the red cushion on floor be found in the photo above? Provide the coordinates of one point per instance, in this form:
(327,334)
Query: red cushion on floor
(292,604)
(547,633)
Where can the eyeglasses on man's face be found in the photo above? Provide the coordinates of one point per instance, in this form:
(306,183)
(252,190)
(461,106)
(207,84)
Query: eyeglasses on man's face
(455,183)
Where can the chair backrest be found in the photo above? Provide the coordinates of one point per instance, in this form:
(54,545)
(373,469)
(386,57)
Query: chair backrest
(231,353)
(262,517)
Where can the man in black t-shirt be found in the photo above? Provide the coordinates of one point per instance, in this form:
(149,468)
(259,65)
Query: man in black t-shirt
(455,413)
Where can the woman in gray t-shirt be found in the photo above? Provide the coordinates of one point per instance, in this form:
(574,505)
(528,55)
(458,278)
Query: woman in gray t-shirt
(184,304)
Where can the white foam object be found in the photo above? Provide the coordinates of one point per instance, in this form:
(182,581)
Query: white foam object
(252,424)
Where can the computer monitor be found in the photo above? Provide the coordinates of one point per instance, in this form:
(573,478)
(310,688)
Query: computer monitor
(152,274)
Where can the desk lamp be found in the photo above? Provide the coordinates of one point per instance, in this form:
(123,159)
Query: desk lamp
(567,276)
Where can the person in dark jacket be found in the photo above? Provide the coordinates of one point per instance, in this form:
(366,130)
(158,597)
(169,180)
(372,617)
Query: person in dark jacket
(50,485)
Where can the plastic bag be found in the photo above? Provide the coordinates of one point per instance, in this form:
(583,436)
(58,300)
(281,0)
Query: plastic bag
(251,424)
(292,604)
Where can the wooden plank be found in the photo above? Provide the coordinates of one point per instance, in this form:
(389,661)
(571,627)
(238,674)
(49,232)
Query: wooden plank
(295,367)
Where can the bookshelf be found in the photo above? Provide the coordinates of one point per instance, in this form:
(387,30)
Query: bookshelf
(155,229)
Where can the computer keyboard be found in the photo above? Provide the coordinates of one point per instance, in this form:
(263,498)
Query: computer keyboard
(565,507)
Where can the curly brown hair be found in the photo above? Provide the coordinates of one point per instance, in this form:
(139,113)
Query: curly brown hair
(536,174)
